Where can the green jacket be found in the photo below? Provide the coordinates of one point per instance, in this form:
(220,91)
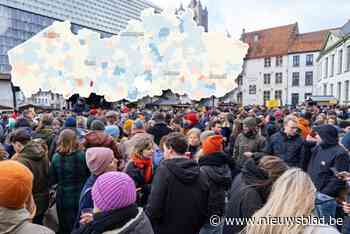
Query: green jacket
(35,158)
(244,144)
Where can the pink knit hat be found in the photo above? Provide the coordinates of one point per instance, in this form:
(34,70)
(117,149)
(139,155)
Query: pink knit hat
(113,190)
(98,159)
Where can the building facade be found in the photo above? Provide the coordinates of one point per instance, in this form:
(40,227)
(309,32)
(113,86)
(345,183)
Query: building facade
(333,65)
(20,20)
(280,65)
(46,100)
(200,13)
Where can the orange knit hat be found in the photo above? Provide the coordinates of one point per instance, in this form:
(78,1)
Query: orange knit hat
(212,144)
(16,182)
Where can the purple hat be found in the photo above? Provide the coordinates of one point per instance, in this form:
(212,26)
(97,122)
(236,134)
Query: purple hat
(98,159)
(113,190)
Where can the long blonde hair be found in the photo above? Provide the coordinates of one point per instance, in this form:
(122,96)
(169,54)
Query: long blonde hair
(292,195)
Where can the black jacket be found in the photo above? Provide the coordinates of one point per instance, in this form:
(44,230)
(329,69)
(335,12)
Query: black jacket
(325,156)
(215,167)
(290,149)
(137,175)
(158,131)
(245,196)
(179,198)
(128,220)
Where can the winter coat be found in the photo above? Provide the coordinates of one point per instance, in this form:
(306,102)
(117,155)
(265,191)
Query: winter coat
(215,167)
(69,172)
(245,144)
(35,158)
(193,150)
(137,175)
(85,200)
(179,197)
(128,220)
(17,222)
(245,196)
(100,139)
(290,149)
(158,131)
(47,134)
(325,156)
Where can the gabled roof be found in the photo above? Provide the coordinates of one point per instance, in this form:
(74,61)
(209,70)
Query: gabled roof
(270,42)
(308,42)
(341,35)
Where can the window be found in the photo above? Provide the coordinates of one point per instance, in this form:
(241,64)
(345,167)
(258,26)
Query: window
(332,89)
(295,77)
(339,91)
(296,61)
(267,62)
(295,99)
(252,89)
(279,61)
(326,68)
(332,65)
(325,89)
(309,60)
(278,94)
(266,96)
(307,95)
(279,78)
(348,58)
(267,78)
(309,78)
(347,91)
(340,62)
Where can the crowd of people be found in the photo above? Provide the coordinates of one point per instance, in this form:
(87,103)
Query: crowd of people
(140,171)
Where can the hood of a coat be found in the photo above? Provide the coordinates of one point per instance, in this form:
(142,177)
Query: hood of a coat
(186,170)
(33,151)
(328,134)
(11,219)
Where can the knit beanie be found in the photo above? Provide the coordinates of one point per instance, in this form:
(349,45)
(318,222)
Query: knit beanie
(192,117)
(212,144)
(16,183)
(250,122)
(138,124)
(70,122)
(98,159)
(97,125)
(128,124)
(113,190)
(113,131)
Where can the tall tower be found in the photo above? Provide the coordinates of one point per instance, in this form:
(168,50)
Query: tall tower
(200,13)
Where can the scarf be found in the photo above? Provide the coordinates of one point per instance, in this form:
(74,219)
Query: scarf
(145,165)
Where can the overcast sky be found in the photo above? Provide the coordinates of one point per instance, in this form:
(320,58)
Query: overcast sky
(234,15)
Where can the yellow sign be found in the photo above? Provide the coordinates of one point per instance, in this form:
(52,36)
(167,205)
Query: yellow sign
(273,103)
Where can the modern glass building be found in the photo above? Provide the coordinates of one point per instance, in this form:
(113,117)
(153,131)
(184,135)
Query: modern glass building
(22,19)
